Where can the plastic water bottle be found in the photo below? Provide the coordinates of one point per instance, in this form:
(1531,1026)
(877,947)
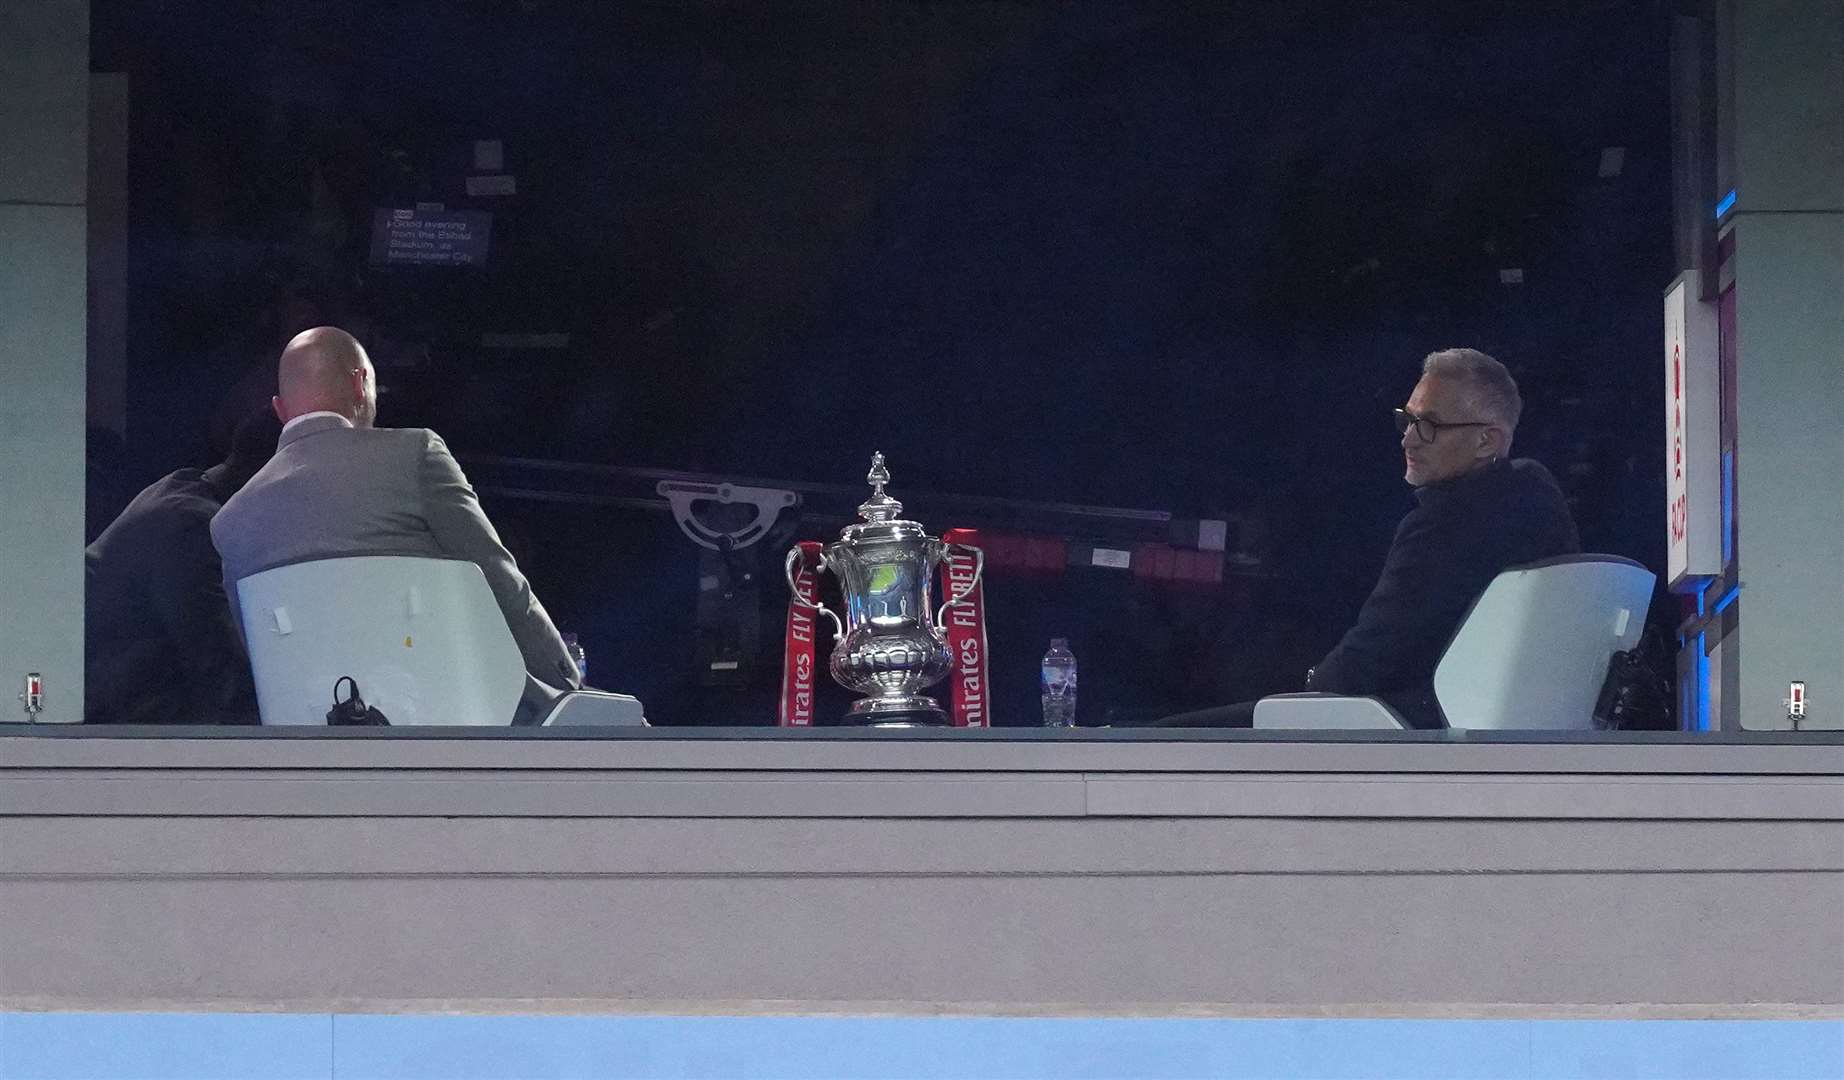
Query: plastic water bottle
(1059,684)
(577,656)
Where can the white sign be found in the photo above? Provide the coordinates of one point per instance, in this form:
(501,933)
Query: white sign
(430,237)
(1693,437)
(1111,557)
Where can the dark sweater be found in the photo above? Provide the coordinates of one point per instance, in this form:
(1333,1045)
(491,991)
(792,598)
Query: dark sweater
(1461,533)
(160,646)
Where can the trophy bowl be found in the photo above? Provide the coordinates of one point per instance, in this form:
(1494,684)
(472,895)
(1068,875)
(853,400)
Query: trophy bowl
(889,647)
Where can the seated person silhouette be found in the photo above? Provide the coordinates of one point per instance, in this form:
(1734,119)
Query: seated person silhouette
(160,645)
(338,486)
(1477,513)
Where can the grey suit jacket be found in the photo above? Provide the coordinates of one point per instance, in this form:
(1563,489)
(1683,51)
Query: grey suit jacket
(332,490)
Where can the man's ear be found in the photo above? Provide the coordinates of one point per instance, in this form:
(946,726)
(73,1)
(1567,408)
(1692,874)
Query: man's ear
(280,410)
(1494,441)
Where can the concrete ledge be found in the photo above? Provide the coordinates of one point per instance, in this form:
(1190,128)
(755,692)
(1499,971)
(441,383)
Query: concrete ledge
(986,875)
(1001,749)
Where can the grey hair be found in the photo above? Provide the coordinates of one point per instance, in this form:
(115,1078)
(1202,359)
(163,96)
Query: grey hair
(1488,387)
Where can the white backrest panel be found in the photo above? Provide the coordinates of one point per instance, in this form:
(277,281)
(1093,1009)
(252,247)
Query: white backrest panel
(1323,712)
(1533,652)
(423,638)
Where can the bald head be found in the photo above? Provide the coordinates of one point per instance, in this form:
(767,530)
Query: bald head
(326,370)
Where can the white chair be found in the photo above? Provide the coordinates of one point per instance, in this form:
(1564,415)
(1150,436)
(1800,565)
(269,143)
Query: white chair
(1530,655)
(423,638)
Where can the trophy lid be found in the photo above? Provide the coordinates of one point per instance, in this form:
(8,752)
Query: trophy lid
(879,512)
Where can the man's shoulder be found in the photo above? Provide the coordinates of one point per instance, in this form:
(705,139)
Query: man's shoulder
(1477,500)
(407,434)
(382,459)
(1531,491)
(174,509)
(1516,480)
(177,500)
(413,440)
(347,447)
(382,436)
(1530,471)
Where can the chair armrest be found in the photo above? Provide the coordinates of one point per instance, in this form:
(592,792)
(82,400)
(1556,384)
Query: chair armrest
(596,708)
(1325,712)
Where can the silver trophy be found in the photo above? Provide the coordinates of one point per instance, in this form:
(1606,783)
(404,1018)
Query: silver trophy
(890,646)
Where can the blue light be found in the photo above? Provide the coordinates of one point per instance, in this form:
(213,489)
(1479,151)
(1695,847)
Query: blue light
(1728,508)
(1723,206)
(1727,599)
(1703,687)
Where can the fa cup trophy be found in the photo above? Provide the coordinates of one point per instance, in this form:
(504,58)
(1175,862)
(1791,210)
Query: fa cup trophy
(890,646)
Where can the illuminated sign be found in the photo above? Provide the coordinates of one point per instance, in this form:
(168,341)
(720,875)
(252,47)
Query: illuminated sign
(1693,451)
(424,237)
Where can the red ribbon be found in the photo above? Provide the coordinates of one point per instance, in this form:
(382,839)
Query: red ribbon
(797,671)
(969,689)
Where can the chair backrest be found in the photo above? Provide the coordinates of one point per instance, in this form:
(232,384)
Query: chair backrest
(422,637)
(1533,651)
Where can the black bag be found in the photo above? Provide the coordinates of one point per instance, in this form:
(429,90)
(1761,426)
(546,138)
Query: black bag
(1637,694)
(353,712)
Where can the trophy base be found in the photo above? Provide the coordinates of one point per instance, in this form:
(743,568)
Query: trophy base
(911,710)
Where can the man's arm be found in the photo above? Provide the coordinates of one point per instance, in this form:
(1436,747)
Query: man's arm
(189,601)
(1408,618)
(462,530)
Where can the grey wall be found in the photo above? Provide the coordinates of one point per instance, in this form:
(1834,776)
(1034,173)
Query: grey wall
(1789,84)
(44,106)
(1788,58)
(108,253)
(806,875)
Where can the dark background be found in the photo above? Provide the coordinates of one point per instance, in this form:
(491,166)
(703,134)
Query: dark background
(1177,256)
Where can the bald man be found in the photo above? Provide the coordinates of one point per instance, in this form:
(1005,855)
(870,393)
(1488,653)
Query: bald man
(338,486)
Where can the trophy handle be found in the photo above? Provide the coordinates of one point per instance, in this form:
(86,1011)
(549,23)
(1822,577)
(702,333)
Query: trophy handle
(787,570)
(979,570)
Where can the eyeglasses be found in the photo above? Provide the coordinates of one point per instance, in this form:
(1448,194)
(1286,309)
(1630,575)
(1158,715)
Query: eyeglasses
(1426,429)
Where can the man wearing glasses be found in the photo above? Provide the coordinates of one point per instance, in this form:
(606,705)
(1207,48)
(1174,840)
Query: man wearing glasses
(1477,512)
